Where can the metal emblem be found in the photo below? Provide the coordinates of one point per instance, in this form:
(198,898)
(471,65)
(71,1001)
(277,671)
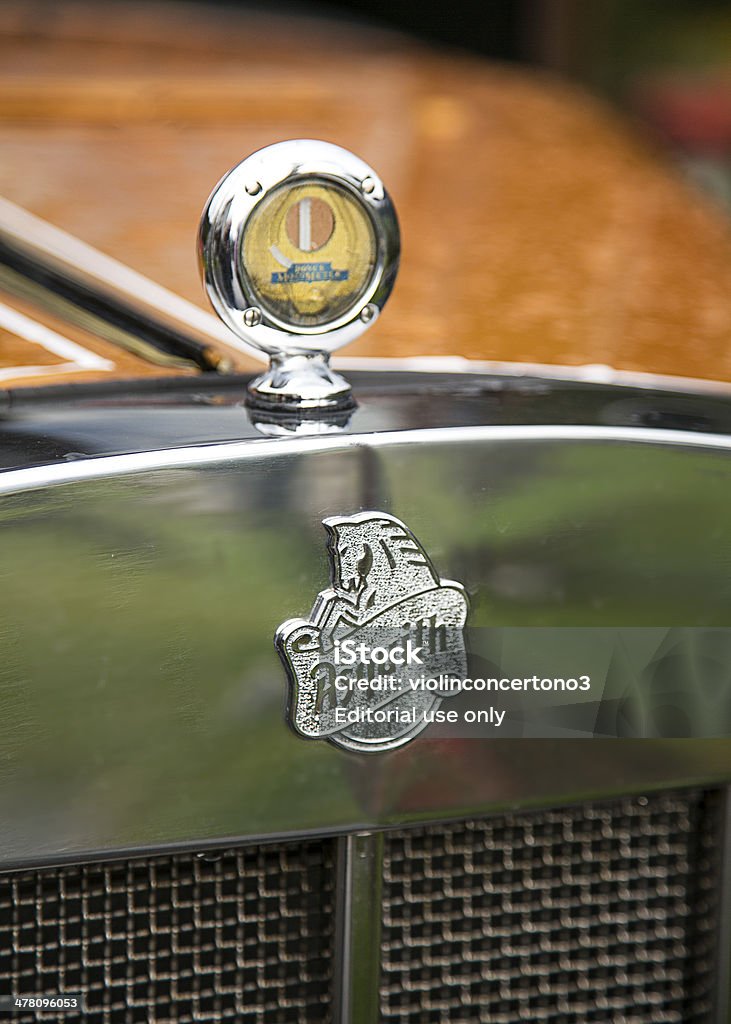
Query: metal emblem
(362,667)
(299,246)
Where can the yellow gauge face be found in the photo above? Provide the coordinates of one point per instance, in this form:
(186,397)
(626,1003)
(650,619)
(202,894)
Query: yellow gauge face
(309,253)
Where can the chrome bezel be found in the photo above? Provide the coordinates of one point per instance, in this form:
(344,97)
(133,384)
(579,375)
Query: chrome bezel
(224,223)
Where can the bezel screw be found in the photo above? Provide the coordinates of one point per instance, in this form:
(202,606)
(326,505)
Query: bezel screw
(253,188)
(368,186)
(368,313)
(252,316)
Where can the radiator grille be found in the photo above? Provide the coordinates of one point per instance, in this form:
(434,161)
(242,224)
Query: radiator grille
(594,913)
(241,935)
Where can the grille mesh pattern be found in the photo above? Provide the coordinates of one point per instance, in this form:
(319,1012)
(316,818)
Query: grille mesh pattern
(589,914)
(243,935)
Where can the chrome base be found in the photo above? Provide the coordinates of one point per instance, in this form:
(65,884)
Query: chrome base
(297,382)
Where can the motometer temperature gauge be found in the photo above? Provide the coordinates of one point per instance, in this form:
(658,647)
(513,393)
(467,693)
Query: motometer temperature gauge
(299,245)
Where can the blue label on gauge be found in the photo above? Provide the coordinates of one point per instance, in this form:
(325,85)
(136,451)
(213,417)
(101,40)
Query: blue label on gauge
(308,273)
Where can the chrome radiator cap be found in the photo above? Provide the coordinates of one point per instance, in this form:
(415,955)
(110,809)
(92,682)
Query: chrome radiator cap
(299,248)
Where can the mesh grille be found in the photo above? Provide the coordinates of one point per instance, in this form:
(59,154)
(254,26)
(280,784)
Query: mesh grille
(242,935)
(596,913)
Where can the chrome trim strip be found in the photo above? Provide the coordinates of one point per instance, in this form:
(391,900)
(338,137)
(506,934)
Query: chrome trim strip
(585,373)
(99,468)
(358,929)
(52,241)
(95,285)
(77,357)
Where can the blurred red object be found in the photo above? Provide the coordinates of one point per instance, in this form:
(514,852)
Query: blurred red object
(693,113)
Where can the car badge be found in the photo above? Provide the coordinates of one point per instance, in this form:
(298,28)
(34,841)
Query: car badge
(299,247)
(361,669)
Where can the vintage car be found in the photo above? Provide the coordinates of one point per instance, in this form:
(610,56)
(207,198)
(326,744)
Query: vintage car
(529,485)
